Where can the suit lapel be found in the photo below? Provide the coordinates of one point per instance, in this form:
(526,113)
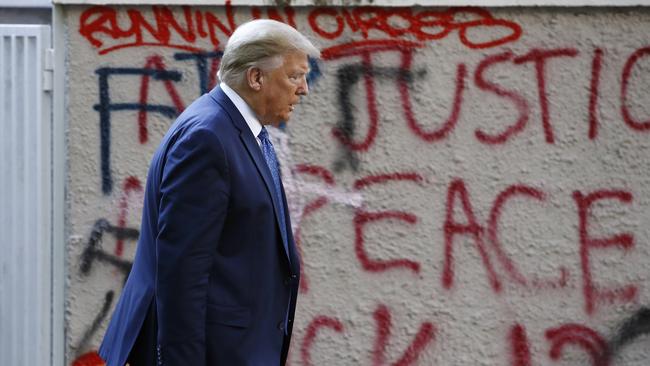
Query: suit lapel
(255,153)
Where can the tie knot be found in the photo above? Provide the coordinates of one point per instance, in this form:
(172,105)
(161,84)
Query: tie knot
(264,134)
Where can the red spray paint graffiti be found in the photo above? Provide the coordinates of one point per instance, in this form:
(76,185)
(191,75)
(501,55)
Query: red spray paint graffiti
(514,97)
(596,66)
(362,218)
(131,184)
(443,131)
(312,331)
(539,58)
(627,73)
(581,336)
(485,237)
(274,13)
(493,223)
(100,26)
(452,228)
(88,359)
(592,293)
(457,191)
(425,25)
(404,75)
(519,346)
(327,177)
(374,265)
(365,50)
(156,63)
(105,30)
(559,337)
(383,324)
(424,336)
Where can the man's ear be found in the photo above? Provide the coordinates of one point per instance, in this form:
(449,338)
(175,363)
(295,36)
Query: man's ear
(254,78)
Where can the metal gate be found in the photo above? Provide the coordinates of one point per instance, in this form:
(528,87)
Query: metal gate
(25,195)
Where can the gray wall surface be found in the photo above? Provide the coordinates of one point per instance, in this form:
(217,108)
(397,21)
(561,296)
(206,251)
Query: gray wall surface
(25,15)
(467,186)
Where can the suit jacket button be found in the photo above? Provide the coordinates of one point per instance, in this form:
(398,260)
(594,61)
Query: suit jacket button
(281,326)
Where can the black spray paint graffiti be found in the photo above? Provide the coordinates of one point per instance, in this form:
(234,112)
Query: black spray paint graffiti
(630,330)
(106,107)
(207,64)
(347,77)
(93,252)
(99,318)
(207,75)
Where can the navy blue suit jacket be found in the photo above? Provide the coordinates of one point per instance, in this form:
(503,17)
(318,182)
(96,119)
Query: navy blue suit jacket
(212,282)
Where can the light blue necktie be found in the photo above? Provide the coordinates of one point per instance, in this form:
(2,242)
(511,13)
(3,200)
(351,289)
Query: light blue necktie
(272,161)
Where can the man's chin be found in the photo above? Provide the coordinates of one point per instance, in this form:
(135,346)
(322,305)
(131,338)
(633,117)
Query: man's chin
(277,124)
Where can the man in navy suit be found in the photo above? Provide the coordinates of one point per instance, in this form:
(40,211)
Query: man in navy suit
(215,276)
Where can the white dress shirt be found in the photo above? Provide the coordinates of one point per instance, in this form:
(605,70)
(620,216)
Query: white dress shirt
(245,110)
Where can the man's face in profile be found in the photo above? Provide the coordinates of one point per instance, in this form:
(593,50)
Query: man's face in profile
(282,88)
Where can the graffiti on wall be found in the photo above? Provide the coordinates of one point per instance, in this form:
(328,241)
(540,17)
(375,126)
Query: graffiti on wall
(188,28)
(358,41)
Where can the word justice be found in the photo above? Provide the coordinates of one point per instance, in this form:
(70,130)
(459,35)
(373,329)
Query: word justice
(482,79)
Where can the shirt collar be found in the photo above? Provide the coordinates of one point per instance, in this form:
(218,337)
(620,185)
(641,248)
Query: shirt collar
(243,108)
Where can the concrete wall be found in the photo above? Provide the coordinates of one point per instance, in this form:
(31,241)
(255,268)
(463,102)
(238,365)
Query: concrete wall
(467,186)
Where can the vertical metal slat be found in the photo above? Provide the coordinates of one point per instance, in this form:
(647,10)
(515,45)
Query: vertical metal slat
(4,315)
(12,206)
(25,199)
(29,99)
(44,197)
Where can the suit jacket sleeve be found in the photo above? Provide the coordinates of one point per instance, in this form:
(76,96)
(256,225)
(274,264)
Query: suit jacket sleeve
(193,203)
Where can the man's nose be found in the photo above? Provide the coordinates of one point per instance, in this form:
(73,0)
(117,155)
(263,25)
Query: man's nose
(303,88)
